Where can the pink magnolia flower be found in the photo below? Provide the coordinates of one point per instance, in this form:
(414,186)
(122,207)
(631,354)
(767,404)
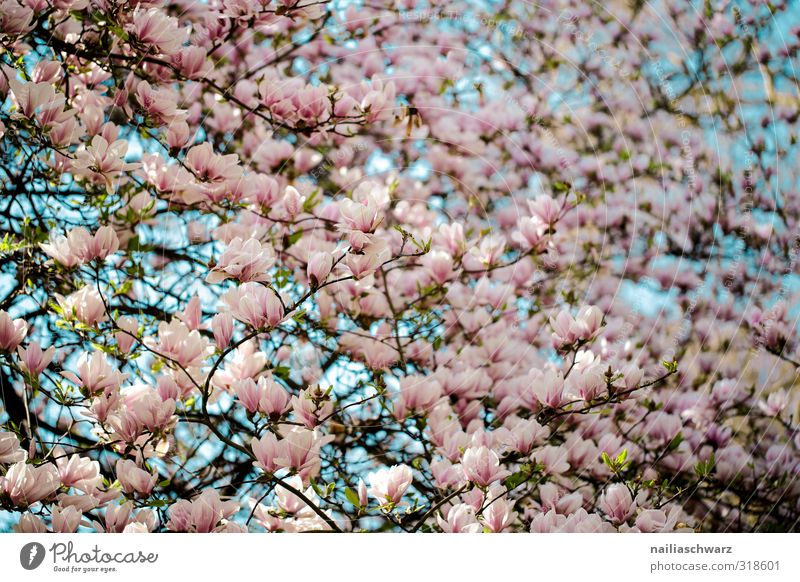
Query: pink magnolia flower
(31,97)
(145,406)
(364,216)
(25,484)
(311,406)
(254,304)
(133,479)
(319,266)
(102,163)
(78,472)
(439,265)
(129,331)
(617,503)
(16,18)
(300,450)
(69,250)
(244,261)
(95,373)
(222,326)
(104,243)
(205,513)
(417,393)
(33,359)
(192,62)
(545,208)
(274,400)
(481,465)
(86,305)
(177,342)
(66,519)
(266,450)
(213,168)
(775,403)
(459,519)
(10,450)
(390,483)
(152,27)
(29,523)
(499,512)
(12,332)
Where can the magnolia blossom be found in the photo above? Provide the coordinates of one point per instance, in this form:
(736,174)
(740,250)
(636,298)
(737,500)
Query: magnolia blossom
(390,484)
(12,332)
(244,261)
(459,518)
(10,451)
(102,162)
(482,466)
(85,305)
(95,373)
(300,450)
(66,520)
(153,27)
(319,265)
(254,304)
(78,472)
(177,342)
(25,484)
(134,479)
(33,359)
(617,503)
(203,514)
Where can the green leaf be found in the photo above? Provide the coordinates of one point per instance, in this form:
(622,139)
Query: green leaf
(516,479)
(352,497)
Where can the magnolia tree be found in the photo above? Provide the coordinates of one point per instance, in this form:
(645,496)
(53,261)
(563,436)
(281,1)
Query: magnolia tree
(304,265)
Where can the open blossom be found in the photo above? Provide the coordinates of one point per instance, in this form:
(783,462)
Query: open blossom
(10,451)
(568,330)
(499,512)
(33,359)
(300,449)
(203,514)
(31,97)
(363,216)
(79,246)
(439,265)
(617,503)
(244,261)
(311,406)
(390,483)
(417,393)
(319,265)
(177,342)
(86,305)
(254,304)
(95,373)
(152,27)
(482,466)
(16,17)
(12,332)
(25,484)
(775,403)
(102,163)
(222,326)
(79,472)
(66,519)
(459,518)
(134,479)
